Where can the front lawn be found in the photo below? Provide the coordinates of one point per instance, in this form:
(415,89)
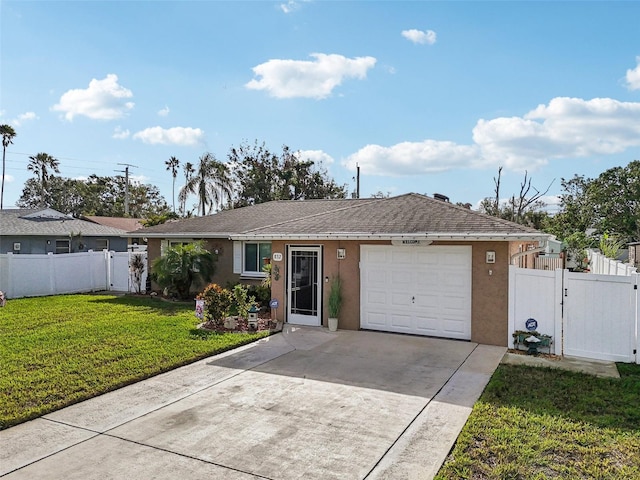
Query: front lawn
(533,423)
(55,351)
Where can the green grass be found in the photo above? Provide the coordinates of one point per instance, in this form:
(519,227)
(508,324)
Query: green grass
(533,423)
(56,351)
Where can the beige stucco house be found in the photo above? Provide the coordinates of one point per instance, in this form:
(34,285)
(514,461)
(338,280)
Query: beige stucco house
(409,264)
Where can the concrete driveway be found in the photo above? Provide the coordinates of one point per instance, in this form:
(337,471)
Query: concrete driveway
(306,403)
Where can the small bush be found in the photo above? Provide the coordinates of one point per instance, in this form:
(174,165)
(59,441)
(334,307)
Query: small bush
(243,301)
(217,302)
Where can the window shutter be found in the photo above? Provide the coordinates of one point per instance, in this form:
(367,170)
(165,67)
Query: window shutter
(164,245)
(237,257)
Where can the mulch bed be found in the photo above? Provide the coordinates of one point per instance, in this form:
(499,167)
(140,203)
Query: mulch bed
(549,356)
(242,326)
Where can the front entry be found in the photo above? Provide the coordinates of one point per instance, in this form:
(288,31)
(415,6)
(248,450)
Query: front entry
(304,294)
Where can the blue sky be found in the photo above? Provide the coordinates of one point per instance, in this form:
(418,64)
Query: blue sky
(425,96)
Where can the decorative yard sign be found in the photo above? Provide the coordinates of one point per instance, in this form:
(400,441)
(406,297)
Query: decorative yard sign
(531,324)
(274,303)
(200,309)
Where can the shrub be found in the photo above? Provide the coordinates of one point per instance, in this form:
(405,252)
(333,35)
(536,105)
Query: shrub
(181,265)
(242,300)
(217,302)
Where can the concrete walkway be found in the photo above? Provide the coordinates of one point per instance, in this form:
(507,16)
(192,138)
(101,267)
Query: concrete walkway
(306,403)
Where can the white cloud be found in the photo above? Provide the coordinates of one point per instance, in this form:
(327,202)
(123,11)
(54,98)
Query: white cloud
(411,158)
(185,136)
(8,178)
(419,36)
(633,77)
(164,111)
(102,100)
(24,117)
(120,134)
(308,79)
(289,6)
(565,128)
(317,156)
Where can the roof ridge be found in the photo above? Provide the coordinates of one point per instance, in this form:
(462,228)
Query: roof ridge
(326,212)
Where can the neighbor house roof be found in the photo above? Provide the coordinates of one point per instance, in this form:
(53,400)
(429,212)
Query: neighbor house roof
(126,224)
(407,216)
(49,222)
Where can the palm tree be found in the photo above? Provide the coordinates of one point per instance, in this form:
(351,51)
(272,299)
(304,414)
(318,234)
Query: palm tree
(181,265)
(211,183)
(182,196)
(40,165)
(7,133)
(172,164)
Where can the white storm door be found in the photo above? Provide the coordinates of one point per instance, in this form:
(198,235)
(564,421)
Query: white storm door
(304,292)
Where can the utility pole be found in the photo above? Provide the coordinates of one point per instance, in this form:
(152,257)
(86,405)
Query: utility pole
(126,185)
(357,181)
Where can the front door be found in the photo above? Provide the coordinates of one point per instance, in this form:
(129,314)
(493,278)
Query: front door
(305,286)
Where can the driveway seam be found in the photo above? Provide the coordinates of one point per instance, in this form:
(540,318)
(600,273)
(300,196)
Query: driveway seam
(191,457)
(417,415)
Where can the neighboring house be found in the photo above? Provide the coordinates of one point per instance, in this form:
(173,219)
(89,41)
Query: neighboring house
(33,231)
(409,264)
(121,223)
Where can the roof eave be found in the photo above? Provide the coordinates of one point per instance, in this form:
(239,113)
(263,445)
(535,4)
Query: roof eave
(142,233)
(433,236)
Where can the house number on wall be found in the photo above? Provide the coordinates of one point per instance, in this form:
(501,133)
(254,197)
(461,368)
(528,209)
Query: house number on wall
(277,257)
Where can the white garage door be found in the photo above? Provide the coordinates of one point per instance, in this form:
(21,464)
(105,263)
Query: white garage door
(416,289)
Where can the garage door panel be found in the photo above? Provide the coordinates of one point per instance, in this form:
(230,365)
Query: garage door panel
(400,300)
(427,290)
(400,321)
(377,320)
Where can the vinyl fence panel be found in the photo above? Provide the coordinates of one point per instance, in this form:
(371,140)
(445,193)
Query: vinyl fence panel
(599,316)
(39,275)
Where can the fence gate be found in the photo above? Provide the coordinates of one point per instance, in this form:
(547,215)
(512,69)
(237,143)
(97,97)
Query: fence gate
(598,313)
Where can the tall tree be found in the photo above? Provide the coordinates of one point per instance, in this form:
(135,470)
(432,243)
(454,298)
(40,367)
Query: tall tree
(40,165)
(172,165)
(262,176)
(609,204)
(182,196)
(8,134)
(526,208)
(211,183)
(95,196)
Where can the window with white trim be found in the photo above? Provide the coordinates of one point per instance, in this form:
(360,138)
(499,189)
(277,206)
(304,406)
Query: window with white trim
(250,257)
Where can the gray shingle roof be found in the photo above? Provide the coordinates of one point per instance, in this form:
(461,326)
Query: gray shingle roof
(409,214)
(14,223)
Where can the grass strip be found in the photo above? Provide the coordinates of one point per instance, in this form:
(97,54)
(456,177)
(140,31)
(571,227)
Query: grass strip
(56,351)
(534,423)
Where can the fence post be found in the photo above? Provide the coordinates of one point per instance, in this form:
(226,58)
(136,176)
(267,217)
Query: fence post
(558,316)
(636,282)
(51,268)
(511,322)
(9,291)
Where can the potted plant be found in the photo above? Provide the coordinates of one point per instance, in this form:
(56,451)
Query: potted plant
(335,302)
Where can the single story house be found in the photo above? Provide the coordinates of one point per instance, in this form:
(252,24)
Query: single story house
(409,264)
(42,231)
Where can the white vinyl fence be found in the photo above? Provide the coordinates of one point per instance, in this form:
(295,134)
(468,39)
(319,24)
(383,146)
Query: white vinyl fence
(40,275)
(591,316)
(602,265)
